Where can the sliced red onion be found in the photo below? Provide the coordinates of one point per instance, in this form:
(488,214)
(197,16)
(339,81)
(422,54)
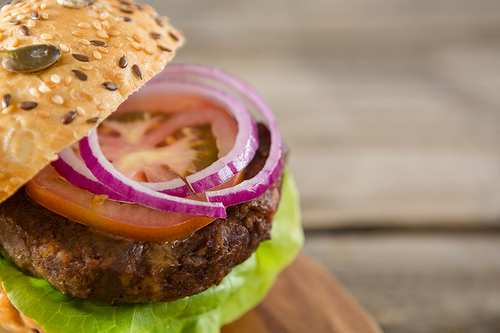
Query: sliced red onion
(237,158)
(254,187)
(71,168)
(104,171)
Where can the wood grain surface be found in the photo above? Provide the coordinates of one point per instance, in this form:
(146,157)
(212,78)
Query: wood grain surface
(306,298)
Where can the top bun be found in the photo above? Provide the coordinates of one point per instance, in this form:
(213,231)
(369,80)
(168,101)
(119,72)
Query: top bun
(105,50)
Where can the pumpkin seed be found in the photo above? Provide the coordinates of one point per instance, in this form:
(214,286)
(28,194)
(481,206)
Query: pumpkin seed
(32,58)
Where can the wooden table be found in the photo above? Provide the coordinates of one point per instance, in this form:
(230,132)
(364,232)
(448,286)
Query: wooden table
(306,299)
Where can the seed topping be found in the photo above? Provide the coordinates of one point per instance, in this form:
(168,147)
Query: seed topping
(73,3)
(24,30)
(123,62)
(34,15)
(127,9)
(164,48)
(97,42)
(6,100)
(27,105)
(80,75)
(69,117)
(32,58)
(93,120)
(155,35)
(110,86)
(15,22)
(81,57)
(137,71)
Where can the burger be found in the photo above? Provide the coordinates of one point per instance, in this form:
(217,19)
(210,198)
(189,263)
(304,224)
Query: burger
(164,209)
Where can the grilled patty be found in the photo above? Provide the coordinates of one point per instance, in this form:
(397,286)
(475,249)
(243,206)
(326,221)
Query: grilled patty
(85,263)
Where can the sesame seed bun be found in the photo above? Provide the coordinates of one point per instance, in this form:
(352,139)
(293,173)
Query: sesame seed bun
(108,49)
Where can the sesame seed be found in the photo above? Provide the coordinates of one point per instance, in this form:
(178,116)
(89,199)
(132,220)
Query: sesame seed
(21,17)
(120,76)
(43,89)
(24,30)
(84,42)
(164,48)
(103,50)
(103,106)
(137,71)
(6,100)
(118,44)
(93,120)
(114,33)
(34,15)
(97,25)
(137,38)
(64,48)
(98,42)
(77,33)
(67,80)
(86,67)
(97,55)
(44,16)
(104,15)
(34,92)
(102,34)
(46,37)
(8,109)
(123,62)
(105,24)
(15,42)
(110,86)
(57,99)
(137,46)
(72,94)
(80,75)
(80,111)
(55,78)
(81,57)
(155,35)
(15,22)
(84,25)
(68,117)
(49,84)
(149,51)
(31,23)
(16,181)
(83,96)
(27,105)
(43,6)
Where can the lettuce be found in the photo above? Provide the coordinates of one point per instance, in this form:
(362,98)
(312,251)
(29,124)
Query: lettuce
(239,292)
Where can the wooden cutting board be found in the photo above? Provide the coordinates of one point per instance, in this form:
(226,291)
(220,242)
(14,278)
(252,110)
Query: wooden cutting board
(306,299)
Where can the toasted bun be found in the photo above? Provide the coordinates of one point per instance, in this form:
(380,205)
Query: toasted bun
(75,93)
(12,320)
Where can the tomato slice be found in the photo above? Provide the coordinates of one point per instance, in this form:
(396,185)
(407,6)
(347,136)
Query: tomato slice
(147,147)
(127,220)
(157,147)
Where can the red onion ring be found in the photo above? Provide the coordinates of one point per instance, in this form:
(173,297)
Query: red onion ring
(71,168)
(254,187)
(236,159)
(104,171)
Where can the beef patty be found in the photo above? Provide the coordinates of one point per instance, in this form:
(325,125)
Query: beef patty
(85,263)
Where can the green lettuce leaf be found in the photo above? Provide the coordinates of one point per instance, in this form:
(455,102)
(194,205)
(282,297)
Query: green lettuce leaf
(239,292)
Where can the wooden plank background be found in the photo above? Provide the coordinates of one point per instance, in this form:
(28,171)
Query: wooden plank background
(391,110)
